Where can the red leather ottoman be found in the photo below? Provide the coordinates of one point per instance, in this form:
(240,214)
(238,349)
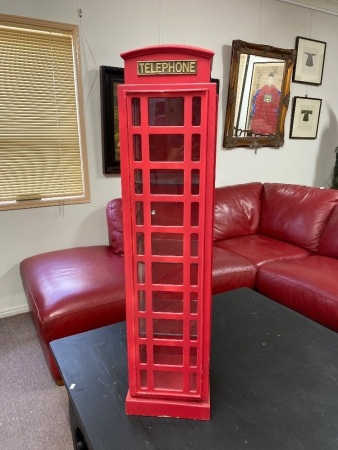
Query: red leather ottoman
(71,291)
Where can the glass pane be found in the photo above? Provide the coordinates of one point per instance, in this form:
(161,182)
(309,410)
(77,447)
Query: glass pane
(136,112)
(194,214)
(167,213)
(196,111)
(139,213)
(143,379)
(138,181)
(166,147)
(167,244)
(141,272)
(141,300)
(166,181)
(193,357)
(172,356)
(195,182)
(193,303)
(193,330)
(196,147)
(143,354)
(171,302)
(166,111)
(142,328)
(167,273)
(140,243)
(137,147)
(194,274)
(167,329)
(194,244)
(193,382)
(168,380)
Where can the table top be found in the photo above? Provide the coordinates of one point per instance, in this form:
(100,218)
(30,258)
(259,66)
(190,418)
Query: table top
(273,383)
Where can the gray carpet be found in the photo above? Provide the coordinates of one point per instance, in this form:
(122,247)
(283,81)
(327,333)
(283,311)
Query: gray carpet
(33,409)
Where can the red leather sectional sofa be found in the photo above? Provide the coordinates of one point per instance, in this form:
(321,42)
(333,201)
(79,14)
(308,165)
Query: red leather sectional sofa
(279,239)
(283,241)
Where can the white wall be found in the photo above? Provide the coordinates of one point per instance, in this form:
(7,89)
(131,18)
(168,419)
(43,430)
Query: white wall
(111,27)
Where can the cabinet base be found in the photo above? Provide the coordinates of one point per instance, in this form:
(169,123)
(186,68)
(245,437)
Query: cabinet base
(180,409)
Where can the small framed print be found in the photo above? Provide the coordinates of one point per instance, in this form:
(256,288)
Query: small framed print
(310,61)
(305,117)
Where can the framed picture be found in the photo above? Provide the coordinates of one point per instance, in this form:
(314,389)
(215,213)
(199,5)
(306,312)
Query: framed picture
(110,78)
(215,80)
(264,97)
(309,62)
(305,117)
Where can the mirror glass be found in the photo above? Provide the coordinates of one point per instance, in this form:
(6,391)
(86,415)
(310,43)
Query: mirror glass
(258,95)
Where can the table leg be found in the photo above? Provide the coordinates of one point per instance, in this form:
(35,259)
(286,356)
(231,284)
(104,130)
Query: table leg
(79,439)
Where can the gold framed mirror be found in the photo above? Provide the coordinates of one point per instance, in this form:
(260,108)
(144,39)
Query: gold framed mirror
(258,95)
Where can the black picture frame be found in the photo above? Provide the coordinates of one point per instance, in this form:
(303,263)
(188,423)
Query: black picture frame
(305,117)
(216,80)
(110,78)
(310,60)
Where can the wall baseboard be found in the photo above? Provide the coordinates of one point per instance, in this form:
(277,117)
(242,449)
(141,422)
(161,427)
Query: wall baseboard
(6,312)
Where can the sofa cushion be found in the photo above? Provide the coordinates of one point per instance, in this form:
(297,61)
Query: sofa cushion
(230,271)
(237,210)
(73,290)
(68,281)
(115,225)
(307,285)
(296,214)
(328,244)
(260,249)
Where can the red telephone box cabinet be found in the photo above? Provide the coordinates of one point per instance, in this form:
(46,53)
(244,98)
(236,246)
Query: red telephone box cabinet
(167,117)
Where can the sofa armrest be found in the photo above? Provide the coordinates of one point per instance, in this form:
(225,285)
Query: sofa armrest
(296,214)
(328,244)
(237,210)
(115,225)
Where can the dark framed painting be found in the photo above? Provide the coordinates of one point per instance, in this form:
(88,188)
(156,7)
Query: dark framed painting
(110,78)
(310,61)
(305,117)
(215,80)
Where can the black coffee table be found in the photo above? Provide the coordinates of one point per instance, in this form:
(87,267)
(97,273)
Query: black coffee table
(274,384)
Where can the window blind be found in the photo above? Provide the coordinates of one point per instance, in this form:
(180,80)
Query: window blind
(42,147)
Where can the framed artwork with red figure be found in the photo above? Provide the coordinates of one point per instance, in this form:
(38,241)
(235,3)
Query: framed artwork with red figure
(258,95)
(265,93)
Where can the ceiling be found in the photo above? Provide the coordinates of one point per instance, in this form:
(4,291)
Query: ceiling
(328,6)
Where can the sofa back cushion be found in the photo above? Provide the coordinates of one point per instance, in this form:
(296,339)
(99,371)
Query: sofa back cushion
(328,244)
(237,210)
(296,214)
(115,225)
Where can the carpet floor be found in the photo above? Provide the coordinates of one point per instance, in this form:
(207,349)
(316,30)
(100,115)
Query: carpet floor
(33,409)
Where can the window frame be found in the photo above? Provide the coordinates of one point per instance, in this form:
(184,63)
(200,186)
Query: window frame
(73,31)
